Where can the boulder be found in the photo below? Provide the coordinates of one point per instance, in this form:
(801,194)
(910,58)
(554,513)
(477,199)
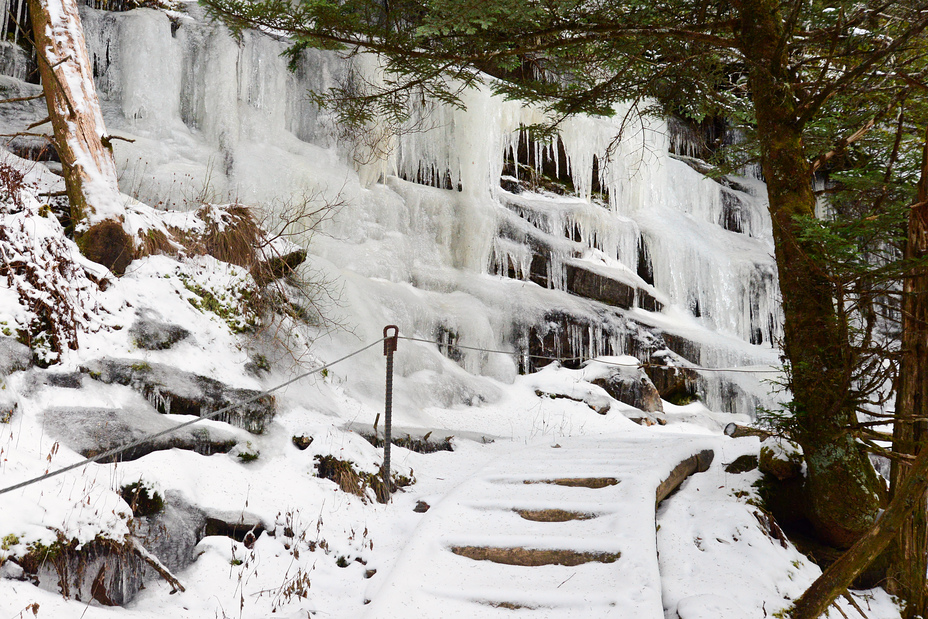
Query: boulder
(173,391)
(674,383)
(91,431)
(633,387)
(63,380)
(14,356)
(687,349)
(150,333)
(173,533)
(780,458)
(103,570)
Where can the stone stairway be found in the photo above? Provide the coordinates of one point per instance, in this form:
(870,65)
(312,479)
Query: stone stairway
(554,531)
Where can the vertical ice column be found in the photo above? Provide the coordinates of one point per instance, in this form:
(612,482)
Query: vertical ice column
(150,71)
(211,89)
(479,151)
(262,87)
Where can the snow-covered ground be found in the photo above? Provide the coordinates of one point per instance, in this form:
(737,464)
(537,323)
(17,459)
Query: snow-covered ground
(215,120)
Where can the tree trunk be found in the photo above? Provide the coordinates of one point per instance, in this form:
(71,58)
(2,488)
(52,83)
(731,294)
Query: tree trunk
(841,483)
(80,136)
(838,577)
(909,552)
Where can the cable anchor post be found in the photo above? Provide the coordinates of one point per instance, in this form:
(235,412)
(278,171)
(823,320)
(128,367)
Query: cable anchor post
(390,340)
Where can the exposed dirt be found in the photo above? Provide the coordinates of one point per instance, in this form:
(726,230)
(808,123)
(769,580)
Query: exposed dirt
(552,515)
(533,557)
(577,482)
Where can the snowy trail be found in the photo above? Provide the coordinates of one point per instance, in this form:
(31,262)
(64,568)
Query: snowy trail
(614,545)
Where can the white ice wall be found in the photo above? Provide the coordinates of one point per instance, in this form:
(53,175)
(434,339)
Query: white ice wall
(220,119)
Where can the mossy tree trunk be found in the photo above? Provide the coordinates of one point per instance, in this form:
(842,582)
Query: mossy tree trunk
(842,485)
(80,136)
(909,551)
(839,575)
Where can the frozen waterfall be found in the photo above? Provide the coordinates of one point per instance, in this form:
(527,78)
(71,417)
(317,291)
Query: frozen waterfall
(425,236)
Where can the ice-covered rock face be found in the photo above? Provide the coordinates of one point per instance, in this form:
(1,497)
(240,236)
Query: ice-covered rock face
(222,119)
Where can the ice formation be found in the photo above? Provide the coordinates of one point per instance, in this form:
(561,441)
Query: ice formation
(423,230)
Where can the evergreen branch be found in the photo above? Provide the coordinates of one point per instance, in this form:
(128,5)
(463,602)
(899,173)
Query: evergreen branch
(808,109)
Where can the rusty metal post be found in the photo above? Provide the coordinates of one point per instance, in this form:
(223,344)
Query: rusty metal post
(391,335)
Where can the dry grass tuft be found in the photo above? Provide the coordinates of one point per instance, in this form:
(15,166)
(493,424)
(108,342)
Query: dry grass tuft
(154,242)
(343,473)
(232,234)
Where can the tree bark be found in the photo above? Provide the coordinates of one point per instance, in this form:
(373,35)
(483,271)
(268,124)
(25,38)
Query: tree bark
(909,551)
(838,577)
(841,483)
(80,135)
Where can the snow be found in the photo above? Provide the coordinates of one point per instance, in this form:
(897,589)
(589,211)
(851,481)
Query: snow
(217,120)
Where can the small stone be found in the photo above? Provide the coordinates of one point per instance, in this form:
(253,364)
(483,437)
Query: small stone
(11,571)
(421,507)
(302,442)
(13,356)
(151,333)
(369,573)
(742,464)
(8,406)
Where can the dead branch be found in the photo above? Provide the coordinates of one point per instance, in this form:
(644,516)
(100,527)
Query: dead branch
(842,144)
(39,122)
(18,99)
(106,139)
(887,453)
(155,564)
(25,134)
(853,602)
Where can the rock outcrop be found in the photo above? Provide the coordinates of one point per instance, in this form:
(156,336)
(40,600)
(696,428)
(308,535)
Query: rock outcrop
(91,431)
(173,391)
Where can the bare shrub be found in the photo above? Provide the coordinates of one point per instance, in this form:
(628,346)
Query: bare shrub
(12,183)
(40,265)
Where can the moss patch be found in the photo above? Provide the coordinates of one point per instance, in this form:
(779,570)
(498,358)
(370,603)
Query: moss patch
(144,502)
(107,243)
(233,306)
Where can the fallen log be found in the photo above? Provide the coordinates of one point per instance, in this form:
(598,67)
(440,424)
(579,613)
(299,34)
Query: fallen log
(698,463)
